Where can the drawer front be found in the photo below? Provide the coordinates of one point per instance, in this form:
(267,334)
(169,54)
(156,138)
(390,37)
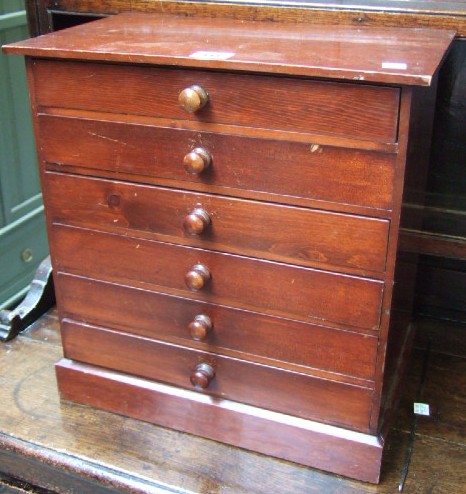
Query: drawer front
(258,385)
(278,289)
(257,229)
(278,103)
(170,318)
(291,169)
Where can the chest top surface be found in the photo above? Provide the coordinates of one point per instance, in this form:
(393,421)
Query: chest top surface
(382,55)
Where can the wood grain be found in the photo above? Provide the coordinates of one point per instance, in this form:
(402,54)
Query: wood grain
(71,448)
(452,342)
(288,234)
(444,15)
(293,393)
(445,391)
(75,376)
(306,348)
(280,48)
(307,171)
(300,293)
(282,103)
(375,13)
(116,86)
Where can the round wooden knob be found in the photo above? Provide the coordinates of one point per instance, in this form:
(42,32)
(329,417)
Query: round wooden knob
(197,278)
(193,98)
(196,221)
(199,327)
(202,375)
(197,161)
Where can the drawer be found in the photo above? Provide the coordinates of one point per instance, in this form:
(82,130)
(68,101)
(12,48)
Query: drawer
(265,286)
(291,169)
(258,385)
(249,101)
(254,336)
(283,233)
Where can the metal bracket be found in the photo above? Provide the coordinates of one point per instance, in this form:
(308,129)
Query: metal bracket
(39,299)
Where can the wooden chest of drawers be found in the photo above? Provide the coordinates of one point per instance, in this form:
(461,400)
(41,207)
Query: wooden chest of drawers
(223,203)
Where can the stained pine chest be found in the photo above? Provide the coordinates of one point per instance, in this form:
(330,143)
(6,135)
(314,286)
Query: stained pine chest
(223,202)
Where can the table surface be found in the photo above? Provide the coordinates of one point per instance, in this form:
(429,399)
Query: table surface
(383,55)
(70,448)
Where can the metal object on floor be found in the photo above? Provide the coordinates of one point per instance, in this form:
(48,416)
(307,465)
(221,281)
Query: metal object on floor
(39,299)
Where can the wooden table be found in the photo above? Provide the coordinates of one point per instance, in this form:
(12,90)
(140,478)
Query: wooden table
(70,448)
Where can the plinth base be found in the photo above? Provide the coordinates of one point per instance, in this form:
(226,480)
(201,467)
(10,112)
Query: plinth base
(306,442)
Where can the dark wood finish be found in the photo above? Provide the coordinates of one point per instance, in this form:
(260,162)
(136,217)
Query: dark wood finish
(288,439)
(68,448)
(386,379)
(423,13)
(243,382)
(295,235)
(374,13)
(251,336)
(283,103)
(198,277)
(309,107)
(197,161)
(290,291)
(193,98)
(196,222)
(281,48)
(202,375)
(433,244)
(332,174)
(200,327)
(442,285)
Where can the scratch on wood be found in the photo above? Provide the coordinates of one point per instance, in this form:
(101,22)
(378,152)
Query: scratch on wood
(107,138)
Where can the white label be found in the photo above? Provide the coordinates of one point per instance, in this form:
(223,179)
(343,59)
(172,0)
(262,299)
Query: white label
(394,65)
(212,55)
(421,409)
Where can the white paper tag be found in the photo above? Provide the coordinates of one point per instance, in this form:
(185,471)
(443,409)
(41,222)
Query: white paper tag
(211,55)
(421,409)
(394,65)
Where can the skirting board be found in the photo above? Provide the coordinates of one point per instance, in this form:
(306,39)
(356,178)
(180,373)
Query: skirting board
(309,443)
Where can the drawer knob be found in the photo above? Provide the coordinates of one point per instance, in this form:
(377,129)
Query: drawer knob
(197,161)
(193,98)
(201,375)
(196,221)
(197,278)
(200,327)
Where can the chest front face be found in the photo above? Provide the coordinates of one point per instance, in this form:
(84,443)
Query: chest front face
(224,227)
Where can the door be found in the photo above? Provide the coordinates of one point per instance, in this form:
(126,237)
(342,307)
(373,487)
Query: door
(23,242)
